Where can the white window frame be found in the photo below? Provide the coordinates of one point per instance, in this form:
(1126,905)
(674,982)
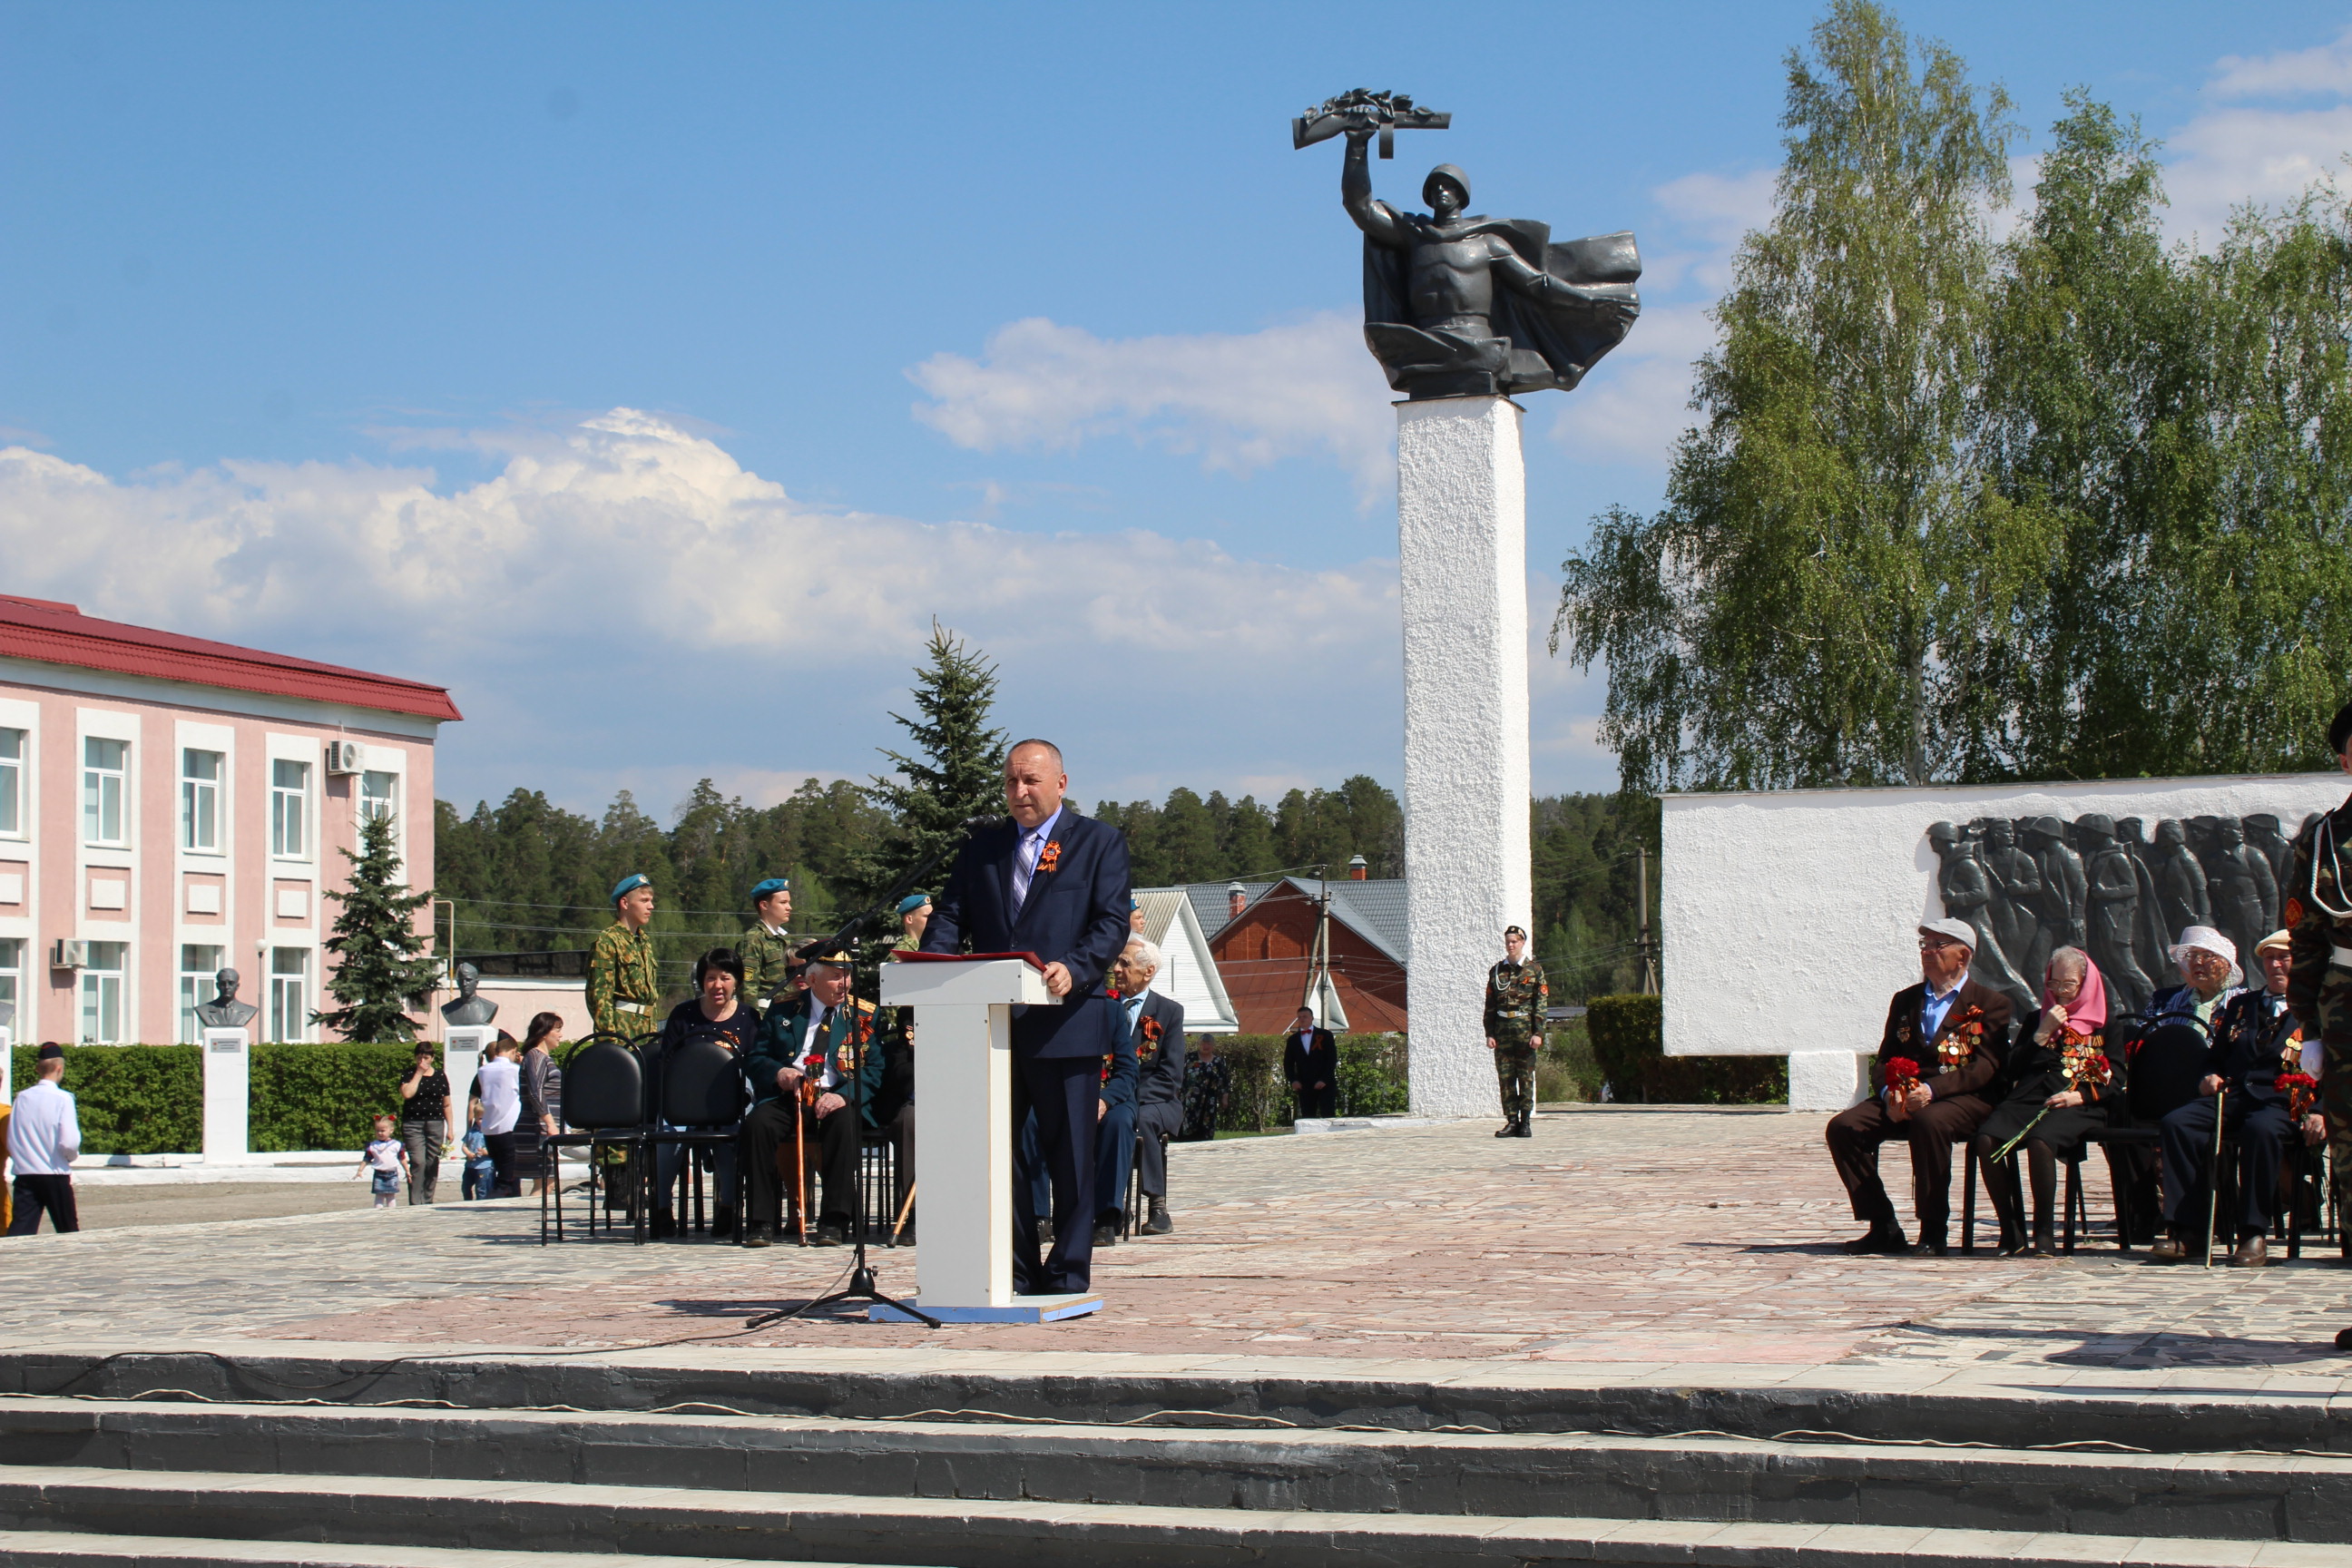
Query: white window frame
(94,780)
(293,987)
(99,989)
(12,979)
(195,987)
(13,774)
(197,791)
(299,800)
(389,801)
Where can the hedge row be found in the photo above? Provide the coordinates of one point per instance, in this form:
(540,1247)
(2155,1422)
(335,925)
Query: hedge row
(149,1100)
(1629,1045)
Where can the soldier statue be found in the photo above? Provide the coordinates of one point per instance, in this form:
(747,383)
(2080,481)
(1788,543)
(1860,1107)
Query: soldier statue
(1517,994)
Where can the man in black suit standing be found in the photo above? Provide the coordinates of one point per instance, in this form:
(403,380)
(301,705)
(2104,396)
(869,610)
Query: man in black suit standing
(1132,1133)
(1311,1064)
(1056,884)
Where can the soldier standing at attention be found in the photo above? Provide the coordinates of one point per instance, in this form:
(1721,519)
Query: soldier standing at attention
(2316,902)
(763,948)
(914,914)
(623,987)
(1515,996)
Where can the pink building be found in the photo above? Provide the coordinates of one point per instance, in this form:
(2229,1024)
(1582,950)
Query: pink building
(171,806)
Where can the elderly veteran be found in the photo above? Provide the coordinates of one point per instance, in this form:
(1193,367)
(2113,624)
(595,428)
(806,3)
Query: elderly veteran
(1951,1032)
(2062,1080)
(2255,1041)
(810,1050)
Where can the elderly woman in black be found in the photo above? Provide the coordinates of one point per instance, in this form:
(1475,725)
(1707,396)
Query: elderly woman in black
(2061,1080)
(716,1011)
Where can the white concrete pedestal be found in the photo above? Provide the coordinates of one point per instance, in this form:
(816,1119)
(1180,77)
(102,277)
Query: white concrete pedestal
(1461,553)
(1826,1080)
(963,1161)
(228,1078)
(462,1045)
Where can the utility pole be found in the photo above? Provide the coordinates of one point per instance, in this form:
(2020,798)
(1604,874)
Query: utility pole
(1642,895)
(1318,959)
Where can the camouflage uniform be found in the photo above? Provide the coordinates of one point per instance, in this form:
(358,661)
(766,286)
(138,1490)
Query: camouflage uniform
(623,988)
(2319,984)
(764,954)
(1516,997)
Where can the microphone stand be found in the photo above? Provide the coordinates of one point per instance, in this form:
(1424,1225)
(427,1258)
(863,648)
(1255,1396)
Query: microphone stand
(862,1286)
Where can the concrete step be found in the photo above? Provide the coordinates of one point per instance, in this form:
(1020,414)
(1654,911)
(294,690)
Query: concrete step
(574,1521)
(68,1549)
(2244,1498)
(854,1386)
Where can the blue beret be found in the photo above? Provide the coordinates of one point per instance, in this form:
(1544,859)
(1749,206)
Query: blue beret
(913,901)
(772,885)
(630,884)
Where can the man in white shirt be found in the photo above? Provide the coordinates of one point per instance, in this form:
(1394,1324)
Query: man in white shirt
(44,1137)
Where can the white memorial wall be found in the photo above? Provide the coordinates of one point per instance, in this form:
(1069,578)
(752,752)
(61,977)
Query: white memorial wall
(1789,917)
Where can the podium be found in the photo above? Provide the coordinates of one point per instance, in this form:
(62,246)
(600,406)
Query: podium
(228,1087)
(963,1159)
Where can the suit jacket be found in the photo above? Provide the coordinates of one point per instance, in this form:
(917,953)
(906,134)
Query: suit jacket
(1075,915)
(1122,1071)
(1975,1027)
(1317,1063)
(1159,1050)
(2248,1040)
(780,1042)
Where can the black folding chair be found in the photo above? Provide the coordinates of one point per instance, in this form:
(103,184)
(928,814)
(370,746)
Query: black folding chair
(698,1099)
(604,1107)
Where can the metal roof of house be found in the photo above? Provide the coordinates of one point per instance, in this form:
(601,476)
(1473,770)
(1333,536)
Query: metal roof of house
(54,633)
(1209,901)
(1373,910)
(1187,970)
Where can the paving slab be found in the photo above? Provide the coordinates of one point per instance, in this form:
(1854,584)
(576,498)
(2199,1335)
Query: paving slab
(1635,1250)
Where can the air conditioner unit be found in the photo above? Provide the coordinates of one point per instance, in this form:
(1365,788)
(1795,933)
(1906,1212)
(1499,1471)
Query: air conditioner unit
(64,955)
(346,757)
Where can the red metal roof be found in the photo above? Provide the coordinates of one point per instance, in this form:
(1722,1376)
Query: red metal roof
(55,633)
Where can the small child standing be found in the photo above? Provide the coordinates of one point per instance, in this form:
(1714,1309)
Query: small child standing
(386,1158)
(479,1172)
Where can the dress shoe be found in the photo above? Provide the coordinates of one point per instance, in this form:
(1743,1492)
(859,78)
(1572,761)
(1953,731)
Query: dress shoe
(1157,1222)
(832,1232)
(723,1222)
(1044,1233)
(2172,1249)
(2343,1339)
(1930,1246)
(2255,1252)
(1106,1235)
(1879,1239)
(661,1227)
(760,1235)
(2043,1247)
(2013,1243)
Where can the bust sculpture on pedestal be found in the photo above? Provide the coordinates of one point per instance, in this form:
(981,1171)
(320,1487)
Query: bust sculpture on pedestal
(1457,306)
(224,1011)
(469,1008)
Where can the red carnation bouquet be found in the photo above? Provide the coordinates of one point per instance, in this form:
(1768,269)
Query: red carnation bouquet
(2302,1092)
(1902,1075)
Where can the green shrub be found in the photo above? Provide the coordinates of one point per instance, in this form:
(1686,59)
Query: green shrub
(1565,1070)
(1372,1080)
(1628,1035)
(129,1099)
(324,1096)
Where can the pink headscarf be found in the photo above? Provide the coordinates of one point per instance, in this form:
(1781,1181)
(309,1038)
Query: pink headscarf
(2087,1013)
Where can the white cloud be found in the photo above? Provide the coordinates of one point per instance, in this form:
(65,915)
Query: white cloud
(1637,401)
(1720,208)
(625,604)
(1239,400)
(2226,158)
(2327,68)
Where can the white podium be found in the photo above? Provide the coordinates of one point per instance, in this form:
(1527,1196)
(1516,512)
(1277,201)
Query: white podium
(228,1087)
(461,1058)
(963,1159)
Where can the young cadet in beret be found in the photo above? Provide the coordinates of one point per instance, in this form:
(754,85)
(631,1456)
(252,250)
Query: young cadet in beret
(762,949)
(623,986)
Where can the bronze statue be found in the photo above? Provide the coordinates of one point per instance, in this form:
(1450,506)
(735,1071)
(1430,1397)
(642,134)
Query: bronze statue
(2245,895)
(224,1011)
(469,1008)
(2112,917)
(1456,306)
(2179,880)
(1968,892)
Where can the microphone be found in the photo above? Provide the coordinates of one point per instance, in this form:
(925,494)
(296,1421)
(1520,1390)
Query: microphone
(985,819)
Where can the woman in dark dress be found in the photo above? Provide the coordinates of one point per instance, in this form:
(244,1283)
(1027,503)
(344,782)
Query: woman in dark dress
(716,1011)
(2062,1082)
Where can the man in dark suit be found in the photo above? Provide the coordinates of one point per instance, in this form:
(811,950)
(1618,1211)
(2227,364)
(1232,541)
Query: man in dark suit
(1311,1064)
(1955,1032)
(1054,883)
(808,1051)
(1129,1134)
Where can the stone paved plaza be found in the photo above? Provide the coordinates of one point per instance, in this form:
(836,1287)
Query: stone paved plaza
(1642,1245)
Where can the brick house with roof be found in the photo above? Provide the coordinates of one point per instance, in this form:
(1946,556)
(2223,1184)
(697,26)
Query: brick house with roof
(1264,934)
(171,806)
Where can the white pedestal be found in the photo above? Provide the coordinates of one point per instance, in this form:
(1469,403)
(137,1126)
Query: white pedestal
(963,1161)
(1462,554)
(228,1077)
(1826,1080)
(461,1058)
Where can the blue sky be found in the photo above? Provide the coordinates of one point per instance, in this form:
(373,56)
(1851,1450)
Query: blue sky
(652,376)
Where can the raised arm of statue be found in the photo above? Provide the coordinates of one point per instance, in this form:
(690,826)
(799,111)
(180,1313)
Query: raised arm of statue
(1374,216)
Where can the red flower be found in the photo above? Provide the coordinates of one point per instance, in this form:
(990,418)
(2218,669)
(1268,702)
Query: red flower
(1902,1072)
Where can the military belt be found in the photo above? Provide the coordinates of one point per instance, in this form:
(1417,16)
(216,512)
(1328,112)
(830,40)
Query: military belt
(631,1007)
(2343,959)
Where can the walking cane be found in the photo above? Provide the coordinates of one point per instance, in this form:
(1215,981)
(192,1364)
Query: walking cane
(800,1168)
(2213,1181)
(904,1210)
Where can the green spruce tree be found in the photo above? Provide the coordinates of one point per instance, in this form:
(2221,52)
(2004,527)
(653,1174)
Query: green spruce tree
(382,955)
(956,773)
